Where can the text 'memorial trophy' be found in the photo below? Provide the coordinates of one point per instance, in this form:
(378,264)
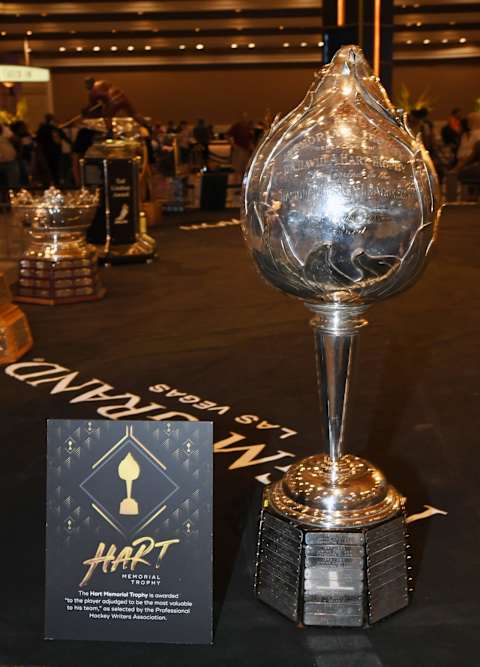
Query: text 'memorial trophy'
(340,210)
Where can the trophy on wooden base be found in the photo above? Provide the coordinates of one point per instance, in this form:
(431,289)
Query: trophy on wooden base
(116,166)
(340,210)
(58,265)
(15,335)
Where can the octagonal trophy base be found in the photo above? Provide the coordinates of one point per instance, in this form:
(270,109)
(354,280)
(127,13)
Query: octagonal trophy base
(329,569)
(59,271)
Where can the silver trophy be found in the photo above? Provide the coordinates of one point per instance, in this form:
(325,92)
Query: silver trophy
(340,210)
(58,265)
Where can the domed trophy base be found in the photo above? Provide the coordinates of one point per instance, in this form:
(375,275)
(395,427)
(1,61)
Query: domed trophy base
(332,544)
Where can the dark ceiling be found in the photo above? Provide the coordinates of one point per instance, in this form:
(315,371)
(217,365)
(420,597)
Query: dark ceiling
(192,33)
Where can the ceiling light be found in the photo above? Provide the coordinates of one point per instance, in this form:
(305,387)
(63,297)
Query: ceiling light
(79,48)
(44,14)
(251,45)
(426,41)
(197,29)
(72,32)
(320,43)
(114,48)
(281,27)
(29,32)
(418,24)
(29,50)
(148,47)
(130,48)
(96,48)
(445,41)
(234,46)
(409,41)
(140,13)
(114,31)
(452,23)
(4,33)
(462,40)
(182,47)
(303,44)
(199,47)
(62,48)
(286,45)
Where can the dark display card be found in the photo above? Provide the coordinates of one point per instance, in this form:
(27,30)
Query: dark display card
(129,531)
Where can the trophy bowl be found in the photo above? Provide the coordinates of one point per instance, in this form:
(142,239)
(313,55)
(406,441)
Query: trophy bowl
(56,210)
(58,265)
(340,209)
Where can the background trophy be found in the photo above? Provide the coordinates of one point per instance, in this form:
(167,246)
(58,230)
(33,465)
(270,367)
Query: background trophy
(118,167)
(58,265)
(15,336)
(340,210)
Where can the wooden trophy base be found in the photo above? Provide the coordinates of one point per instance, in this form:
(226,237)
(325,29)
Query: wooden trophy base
(15,336)
(99,294)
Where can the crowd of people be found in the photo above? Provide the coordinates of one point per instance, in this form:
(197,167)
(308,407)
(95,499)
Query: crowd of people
(51,154)
(456,147)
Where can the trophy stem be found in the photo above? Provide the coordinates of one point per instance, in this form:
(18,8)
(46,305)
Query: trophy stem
(335,330)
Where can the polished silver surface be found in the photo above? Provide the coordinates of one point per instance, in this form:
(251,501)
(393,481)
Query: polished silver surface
(55,209)
(340,198)
(340,209)
(57,265)
(349,492)
(123,127)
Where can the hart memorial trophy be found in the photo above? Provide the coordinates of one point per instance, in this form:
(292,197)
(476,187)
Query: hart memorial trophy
(340,208)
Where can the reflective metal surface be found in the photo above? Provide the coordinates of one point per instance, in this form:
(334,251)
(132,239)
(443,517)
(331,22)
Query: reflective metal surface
(340,208)
(340,198)
(58,265)
(123,127)
(55,209)
(346,493)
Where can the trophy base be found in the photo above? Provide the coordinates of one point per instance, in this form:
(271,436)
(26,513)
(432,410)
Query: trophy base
(143,250)
(349,577)
(69,275)
(129,507)
(56,301)
(15,336)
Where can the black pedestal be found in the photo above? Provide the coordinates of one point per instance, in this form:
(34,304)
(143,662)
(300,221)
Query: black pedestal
(332,578)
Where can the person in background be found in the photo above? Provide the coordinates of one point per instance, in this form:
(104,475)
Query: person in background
(469,171)
(23,142)
(171,127)
(201,134)
(241,135)
(469,138)
(184,140)
(49,143)
(420,123)
(9,164)
(452,131)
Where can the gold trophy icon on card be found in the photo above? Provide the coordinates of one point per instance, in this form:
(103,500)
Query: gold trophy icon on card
(129,471)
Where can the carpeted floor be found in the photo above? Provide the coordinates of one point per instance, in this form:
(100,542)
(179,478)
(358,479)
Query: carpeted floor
(201,321)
